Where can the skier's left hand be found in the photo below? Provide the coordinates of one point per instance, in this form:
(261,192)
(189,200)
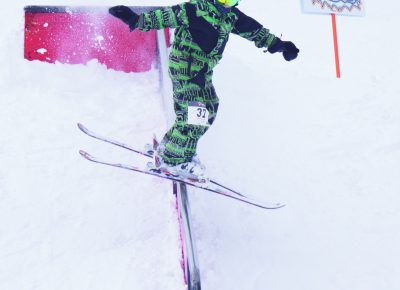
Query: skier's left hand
(288,49)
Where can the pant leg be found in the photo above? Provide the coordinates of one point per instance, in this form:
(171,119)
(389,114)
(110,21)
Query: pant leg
(179,144)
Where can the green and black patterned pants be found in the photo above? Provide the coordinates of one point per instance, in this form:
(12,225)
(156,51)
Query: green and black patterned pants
(180,142)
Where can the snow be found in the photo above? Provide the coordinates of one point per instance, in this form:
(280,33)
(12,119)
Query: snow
(42,50)
(287,132)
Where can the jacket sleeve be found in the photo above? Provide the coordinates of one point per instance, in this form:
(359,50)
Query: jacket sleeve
(250,29)
(171,17)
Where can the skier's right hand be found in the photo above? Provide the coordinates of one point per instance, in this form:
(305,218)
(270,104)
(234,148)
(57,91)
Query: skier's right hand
(126,15)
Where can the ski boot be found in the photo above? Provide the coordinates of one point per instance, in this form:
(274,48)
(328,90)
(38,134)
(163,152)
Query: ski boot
(189,170)
(193,171)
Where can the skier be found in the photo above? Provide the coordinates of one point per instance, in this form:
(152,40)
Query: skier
(202,29)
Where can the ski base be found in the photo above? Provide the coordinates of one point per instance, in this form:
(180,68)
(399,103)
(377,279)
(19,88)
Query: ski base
(147,153)
(204,186)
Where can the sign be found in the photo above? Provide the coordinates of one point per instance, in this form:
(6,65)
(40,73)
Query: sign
(338,7)
(334,7)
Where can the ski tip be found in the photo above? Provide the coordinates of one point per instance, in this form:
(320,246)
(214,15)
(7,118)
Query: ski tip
(84,154)
(269,206)
(280,205)
(275,206)
(81,127)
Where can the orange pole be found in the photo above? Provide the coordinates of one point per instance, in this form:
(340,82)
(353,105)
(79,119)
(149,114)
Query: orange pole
(336,46)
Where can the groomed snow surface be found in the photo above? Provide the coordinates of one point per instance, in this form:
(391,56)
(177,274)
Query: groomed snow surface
(288,132)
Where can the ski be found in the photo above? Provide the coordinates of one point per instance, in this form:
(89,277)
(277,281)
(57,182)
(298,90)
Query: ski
(203,186)
(127,147)
(111,141)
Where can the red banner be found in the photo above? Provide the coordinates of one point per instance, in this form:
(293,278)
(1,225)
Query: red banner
(77,37)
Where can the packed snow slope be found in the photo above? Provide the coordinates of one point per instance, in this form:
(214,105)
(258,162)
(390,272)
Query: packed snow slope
(289,132)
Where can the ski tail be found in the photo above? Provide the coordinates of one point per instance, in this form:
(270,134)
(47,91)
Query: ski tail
(111,141)
(155,142)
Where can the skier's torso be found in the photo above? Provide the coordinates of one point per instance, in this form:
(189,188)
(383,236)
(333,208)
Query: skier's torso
(199,43)
(202,31)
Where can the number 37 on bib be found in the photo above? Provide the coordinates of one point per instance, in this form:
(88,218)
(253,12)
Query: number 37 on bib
(197,114)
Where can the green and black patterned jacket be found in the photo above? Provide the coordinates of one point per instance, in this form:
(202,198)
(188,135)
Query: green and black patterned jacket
(201,33)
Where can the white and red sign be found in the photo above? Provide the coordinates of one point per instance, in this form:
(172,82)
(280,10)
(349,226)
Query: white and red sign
(338,7)
(333,8)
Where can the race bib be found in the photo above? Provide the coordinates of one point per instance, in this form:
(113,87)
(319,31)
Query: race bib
(197,114)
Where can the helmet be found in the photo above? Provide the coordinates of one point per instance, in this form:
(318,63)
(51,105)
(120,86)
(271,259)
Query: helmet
(228,3)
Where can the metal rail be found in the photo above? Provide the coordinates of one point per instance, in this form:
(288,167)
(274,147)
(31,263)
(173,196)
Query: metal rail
(190,262)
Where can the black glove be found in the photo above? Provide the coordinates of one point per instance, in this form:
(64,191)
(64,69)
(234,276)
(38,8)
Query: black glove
(288,49)
(126,15)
